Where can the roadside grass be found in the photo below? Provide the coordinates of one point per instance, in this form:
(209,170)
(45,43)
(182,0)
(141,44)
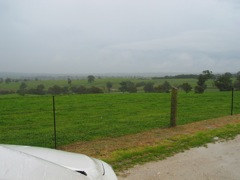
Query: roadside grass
(29,120)
(124,159)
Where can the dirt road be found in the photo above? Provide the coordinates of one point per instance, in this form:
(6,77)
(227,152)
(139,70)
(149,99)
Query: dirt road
(219,161)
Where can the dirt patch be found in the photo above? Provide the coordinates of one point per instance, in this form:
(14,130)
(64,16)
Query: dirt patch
(102,148)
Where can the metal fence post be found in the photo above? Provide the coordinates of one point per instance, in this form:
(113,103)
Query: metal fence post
(173,107)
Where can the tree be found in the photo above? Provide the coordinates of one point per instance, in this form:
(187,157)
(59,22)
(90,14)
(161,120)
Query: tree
(8,80)
(64,90)
(5,91)
(94,90)
(91,78)
(238,75)
(39,90)
(127,86)
(224,82)
(23,85)
(200,89)
(69,81)
(81,90)
(165,87)
(202,78)
(22,89)
(132,88)
(55,90)
(208,74)
(186,87)
(123,86)
(73,89)
(148,88)
(109,86)
(237,82)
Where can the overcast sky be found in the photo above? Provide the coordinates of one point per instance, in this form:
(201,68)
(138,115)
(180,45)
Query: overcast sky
(119,36)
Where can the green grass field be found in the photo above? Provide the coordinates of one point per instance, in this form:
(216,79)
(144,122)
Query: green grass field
(29,119)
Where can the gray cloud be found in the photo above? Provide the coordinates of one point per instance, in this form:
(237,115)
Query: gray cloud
(60,36)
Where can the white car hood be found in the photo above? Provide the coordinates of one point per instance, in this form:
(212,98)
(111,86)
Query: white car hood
(25,157)
(18,165)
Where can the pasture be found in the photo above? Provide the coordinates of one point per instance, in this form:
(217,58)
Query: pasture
(29,119)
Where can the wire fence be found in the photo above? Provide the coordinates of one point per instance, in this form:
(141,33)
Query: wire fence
(30,120)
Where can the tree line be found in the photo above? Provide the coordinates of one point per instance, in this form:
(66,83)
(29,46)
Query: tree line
(223,82)
(57,90)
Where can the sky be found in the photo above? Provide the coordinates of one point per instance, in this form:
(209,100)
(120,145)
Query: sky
(119,36)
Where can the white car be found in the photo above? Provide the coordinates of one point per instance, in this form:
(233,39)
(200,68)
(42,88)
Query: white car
(27,162)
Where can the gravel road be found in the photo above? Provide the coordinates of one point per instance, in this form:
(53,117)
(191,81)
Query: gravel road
(219,161)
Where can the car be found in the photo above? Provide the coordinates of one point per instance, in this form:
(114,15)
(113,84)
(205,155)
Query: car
(29,162)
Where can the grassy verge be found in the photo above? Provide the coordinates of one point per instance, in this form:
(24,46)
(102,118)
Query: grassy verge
(124,159)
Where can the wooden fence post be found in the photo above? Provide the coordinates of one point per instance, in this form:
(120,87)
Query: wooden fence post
(173,107)
(232,101)
(54,124)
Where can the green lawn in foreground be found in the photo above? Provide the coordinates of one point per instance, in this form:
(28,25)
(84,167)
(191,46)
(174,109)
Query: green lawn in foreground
(29,119)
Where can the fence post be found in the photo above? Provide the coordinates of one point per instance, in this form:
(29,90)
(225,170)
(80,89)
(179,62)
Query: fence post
(54,124)
(232,101)
(173,107)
